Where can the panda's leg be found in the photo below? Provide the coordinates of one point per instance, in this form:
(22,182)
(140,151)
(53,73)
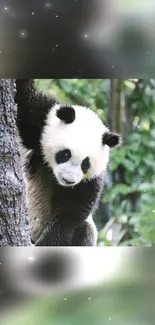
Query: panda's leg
(56,234)
(86,234)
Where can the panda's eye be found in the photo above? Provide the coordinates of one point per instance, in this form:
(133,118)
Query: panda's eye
(63,156)
(85,165)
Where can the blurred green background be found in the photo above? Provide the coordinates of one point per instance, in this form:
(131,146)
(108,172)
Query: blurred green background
(124,295)
(126,214)
(112,305)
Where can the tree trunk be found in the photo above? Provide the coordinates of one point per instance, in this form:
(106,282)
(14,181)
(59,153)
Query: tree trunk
(13,227)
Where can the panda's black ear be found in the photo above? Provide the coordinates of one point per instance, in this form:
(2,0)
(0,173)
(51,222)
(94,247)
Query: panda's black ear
(66,114)
(111,139)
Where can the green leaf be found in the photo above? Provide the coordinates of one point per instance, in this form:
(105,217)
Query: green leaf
(116,190)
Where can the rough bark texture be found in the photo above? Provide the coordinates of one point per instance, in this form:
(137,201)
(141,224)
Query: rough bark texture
(13,228)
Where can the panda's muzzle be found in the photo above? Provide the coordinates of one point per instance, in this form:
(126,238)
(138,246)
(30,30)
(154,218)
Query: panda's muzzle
(67,182)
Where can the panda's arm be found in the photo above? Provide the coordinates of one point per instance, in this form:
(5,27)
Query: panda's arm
(32,109)
(86,234)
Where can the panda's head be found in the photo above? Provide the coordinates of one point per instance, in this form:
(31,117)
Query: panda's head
(75,144)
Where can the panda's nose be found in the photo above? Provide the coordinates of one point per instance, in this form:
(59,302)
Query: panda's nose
(67,182)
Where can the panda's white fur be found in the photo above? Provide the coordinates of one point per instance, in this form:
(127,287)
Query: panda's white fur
(83,138)
(90,221)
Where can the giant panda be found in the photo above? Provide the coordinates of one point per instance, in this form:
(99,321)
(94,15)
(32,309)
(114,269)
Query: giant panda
(65,153)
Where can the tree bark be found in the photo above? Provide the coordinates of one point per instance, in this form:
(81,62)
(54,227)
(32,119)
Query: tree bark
(13,227)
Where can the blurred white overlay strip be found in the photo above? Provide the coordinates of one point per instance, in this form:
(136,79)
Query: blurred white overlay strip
(36,271)
(91,285)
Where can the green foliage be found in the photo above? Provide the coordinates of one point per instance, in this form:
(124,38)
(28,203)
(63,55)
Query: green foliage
(134,198)
(132,166)
(89,92)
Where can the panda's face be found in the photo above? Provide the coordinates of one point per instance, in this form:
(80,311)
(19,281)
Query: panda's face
(69,168)
(75,144)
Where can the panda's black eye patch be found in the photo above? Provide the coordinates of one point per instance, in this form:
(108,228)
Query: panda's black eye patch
(63,156)
(85,165)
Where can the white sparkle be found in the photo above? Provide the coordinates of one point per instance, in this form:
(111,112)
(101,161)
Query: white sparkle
(6,8)
(0,52)
(113,66)
(109,318)
(56,16)
(31,258)
(89,298)
(56,45)
(148,52)
(86,36)
(0,263)
(65,299)
(48,5)
(23,33)
(33,13)
(37,219)
(153,210)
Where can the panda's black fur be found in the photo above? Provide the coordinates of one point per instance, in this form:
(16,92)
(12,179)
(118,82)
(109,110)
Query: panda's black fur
(62,211)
